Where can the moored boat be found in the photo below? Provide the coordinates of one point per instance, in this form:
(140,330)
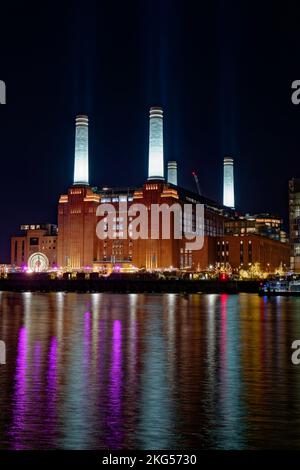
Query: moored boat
(280,286)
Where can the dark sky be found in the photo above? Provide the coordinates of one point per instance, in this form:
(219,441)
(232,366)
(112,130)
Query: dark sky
(222,70)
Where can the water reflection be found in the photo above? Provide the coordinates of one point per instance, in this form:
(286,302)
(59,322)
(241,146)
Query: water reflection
(52,386)
(114,403)
(230,406)
(92,371)
(155,406)
(19,398)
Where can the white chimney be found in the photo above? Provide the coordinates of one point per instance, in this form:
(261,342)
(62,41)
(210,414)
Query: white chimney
(172,172)
(228,184)
(156,146)
(81,166)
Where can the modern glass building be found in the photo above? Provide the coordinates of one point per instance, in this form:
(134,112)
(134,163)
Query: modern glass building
(294,213)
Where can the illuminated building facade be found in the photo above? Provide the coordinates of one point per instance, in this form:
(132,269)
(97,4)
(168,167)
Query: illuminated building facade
(294,216)
(77,241)
(266,225)
(80,248)
(35,239)
(171,252)
(247,250)
(77,209)
(78,244)
(115,253)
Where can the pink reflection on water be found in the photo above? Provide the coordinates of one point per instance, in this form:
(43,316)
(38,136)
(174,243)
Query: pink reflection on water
(52,361)
(19,399)
(37,363)
(114,400)
(223,328)
(51,424)
(52,375)
(223,343)
(87,339)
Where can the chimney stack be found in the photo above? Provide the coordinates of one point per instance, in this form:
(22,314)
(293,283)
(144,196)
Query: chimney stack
(172,172)
(156,146)
(81,166)
(228,184)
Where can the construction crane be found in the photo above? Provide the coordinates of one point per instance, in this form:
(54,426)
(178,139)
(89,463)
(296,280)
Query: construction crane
(197,182)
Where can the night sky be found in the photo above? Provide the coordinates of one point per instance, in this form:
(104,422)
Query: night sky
(222,70)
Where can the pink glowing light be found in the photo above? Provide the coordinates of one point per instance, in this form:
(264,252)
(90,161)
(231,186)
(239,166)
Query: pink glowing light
(20,393)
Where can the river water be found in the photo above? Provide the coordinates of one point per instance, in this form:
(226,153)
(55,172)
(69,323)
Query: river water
(148,371)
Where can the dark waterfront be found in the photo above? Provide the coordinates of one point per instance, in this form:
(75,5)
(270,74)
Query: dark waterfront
(149,371)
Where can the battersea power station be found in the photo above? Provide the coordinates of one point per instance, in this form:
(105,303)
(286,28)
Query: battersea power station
(229,239)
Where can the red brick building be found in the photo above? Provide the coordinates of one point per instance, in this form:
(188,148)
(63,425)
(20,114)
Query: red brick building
(35,239)
(77,242)
(244,251)
(78,247)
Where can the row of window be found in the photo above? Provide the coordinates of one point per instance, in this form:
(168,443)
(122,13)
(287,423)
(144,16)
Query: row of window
(224,248)
(117,199)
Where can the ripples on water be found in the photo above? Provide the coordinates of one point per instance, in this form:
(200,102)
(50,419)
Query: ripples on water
(96,371)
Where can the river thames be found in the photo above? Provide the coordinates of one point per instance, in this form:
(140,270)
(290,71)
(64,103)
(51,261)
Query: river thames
(149,371)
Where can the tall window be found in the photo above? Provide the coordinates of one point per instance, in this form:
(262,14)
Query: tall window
(227,251)
(241,252)
(250,251)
